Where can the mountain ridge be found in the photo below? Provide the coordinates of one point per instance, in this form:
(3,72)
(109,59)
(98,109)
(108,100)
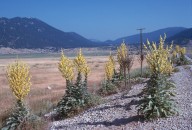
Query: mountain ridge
(182,37)
(151,36)
(33,33)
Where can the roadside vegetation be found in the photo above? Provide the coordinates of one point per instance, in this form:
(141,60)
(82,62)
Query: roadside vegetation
(156,99)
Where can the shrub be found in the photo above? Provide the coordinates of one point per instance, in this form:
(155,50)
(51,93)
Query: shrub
(157,96)
(19,82)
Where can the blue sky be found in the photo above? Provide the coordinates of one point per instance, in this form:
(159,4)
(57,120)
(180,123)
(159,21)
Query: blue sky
(103,19)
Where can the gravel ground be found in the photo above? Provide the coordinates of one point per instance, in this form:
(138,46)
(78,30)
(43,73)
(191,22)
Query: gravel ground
(120,113)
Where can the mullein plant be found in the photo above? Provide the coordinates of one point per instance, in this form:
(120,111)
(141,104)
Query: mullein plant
(178,56)
(125,61)
(81,82)
(76,95)
(157,95)
(122,52)
(108,86)
(19,82)
(116,76)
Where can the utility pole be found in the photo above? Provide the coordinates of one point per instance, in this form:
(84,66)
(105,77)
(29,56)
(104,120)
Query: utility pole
(141,47)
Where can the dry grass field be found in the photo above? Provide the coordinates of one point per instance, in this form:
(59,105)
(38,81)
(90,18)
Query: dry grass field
(48,86)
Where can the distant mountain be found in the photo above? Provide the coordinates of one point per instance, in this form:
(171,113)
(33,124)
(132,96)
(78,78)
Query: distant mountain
(151,36)
(182,37)
(33,33)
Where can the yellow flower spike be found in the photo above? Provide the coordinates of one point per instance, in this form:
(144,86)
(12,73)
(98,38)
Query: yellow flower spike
(157,58)
(86,70)
(112,60)
(65,66)
(154,46)
(19,79)
(145,47)
(81,63)
(174,53)
(177,49)
(183,51)
(148,43)
(109,70)
(170,48)
(122,52)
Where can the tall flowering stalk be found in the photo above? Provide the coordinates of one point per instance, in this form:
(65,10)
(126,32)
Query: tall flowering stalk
(19,82)
(76,95)
(125,61)
(109,70)
(158,57)
(122,53)
(80,62)
(108,87)
(86,71)
(157,98)
(65,66)
(82,67)
(19,79)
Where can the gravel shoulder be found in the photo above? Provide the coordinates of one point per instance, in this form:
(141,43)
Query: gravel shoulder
(120,112)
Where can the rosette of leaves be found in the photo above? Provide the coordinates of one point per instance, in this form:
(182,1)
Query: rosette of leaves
(19,82)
